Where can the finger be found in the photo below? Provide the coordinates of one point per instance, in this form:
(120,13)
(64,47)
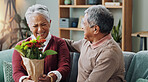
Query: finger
(29,77)
(43,75)
(30,81)
(42,79)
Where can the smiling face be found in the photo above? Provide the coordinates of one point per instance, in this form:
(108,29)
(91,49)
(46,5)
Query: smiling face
(39,25)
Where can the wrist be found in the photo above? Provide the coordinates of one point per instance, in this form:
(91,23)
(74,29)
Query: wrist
(53,77)
(24,80)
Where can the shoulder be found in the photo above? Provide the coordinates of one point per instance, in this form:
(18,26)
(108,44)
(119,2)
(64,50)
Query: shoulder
(110,50)
(57,39)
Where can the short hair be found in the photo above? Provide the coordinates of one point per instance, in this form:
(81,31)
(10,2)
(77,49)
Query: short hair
(101,16)
(38,9)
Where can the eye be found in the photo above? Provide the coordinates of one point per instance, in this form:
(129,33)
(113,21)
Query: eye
(35,26)
(43,24)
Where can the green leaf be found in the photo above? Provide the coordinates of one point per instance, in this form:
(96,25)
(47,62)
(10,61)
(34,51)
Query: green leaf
(18,48)
(28,53)
(50,52)
(26,47)
(33,41)
(116,33)
(119,24)
(38,37)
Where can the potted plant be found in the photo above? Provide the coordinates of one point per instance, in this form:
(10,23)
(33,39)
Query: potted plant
(33,57)
(116,32)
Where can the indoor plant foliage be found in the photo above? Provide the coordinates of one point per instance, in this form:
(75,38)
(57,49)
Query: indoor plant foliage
(30,49)
(33,58)
(116,32)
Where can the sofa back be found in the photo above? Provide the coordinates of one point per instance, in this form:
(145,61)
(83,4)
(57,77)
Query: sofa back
(127,60)
(74,67)
(74,64)
(5,55)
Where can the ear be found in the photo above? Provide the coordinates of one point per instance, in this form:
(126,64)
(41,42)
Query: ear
(50,21)
(96,29)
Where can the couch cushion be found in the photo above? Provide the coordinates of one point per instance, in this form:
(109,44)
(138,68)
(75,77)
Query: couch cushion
(138,67)
(7,68)
(5,55)
(142,80)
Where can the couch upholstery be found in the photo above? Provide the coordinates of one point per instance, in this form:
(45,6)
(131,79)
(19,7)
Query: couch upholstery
(74,70)
(138,67)
(6,55)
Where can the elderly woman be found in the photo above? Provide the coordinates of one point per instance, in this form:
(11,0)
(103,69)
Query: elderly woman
(56,67)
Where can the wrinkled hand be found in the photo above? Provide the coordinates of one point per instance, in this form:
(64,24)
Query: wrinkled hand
(28,79)
(44,78)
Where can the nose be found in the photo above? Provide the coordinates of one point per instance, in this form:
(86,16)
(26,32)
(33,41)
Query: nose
(40,29)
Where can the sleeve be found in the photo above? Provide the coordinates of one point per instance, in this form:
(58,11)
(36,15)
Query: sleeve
(18,70)
(63,59)
(105,67)
(23,77)
(74,46)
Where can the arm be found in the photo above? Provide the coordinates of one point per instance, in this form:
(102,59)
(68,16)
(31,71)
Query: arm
(63,59)
(74,46)
(104,69)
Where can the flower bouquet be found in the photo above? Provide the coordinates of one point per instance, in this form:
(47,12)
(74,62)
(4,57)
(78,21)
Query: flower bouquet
(32,56)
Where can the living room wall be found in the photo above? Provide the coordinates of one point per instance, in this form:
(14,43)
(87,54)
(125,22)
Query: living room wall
(2,14)
(140,18)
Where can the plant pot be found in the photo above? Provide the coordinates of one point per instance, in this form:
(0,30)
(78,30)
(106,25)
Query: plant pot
(34,67)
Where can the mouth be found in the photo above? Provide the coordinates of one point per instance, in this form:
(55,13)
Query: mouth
(40,34)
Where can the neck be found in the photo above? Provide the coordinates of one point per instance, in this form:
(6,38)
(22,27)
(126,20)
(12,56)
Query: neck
(99,36)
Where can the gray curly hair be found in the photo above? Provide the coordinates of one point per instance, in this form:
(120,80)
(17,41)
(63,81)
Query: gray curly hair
(101,16)
(37,9)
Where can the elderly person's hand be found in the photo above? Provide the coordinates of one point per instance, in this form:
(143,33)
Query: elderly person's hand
(28,79)
(48,78)
(44,78)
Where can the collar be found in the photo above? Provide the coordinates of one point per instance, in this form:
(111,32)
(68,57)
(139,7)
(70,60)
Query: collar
(46,42)
(101,41)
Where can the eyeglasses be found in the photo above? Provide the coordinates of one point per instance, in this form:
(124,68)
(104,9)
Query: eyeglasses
(83,24)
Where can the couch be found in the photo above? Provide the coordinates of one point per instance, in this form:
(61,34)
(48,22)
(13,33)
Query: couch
(136,66)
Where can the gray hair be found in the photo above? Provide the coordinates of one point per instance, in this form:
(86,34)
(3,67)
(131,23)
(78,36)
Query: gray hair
(99,15)
(37,9)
